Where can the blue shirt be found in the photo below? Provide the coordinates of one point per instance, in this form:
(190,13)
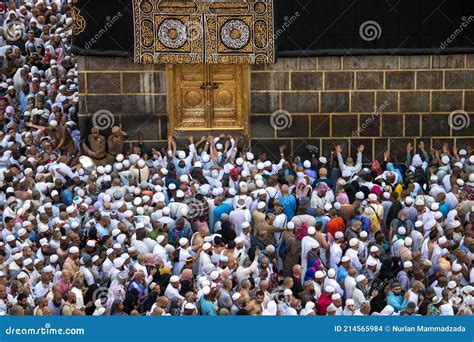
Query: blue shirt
(66,197)
(398,302)
(289,206)
(341,274)
(224,208)
(207,309)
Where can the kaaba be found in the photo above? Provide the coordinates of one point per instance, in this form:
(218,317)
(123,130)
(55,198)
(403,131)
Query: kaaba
(305,73)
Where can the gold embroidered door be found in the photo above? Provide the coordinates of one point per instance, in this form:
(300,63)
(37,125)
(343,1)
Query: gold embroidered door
(207,97)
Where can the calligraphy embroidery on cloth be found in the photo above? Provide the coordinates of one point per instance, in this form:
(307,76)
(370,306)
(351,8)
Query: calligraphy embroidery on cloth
(217,32)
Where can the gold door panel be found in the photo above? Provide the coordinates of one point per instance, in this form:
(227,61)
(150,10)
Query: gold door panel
(207,97)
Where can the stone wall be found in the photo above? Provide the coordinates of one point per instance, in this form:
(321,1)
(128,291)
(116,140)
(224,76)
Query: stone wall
(380,101)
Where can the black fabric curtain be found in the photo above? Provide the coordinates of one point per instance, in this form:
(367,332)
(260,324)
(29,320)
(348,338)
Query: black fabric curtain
(315,27)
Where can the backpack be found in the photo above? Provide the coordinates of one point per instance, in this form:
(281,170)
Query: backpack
(271,200)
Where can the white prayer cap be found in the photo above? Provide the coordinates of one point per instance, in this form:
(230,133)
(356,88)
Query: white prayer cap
(307,164)
(337,205)
(206,158)
(27,261)
(442,240)
(91,243)
(456,267)
(160,238)
(206,246)
(329,289)
(418,224)
(73,250)
(249,156)
(109,251)
(331,273)
(401,230)
(363,234)
(270,248)
(236,296)
(360,195)
(287,292)
(456,224)
(118,262)
(260,166)
(360,278)
(119,157)
(471,159)
(386,195)
(354,242)
(70,209)
(238,240)
(345,259)
(54,193)
(43,242)
(137,201)
(460,182)
(198,164)
(371,262)
(247,225)
(214,275)
(445,159)
(261,205)
(48,269)
(10,238)
(117,245)
(420,202)
(434,178)
(438,215)
(408,200)
(427,262)
(374,249)
(181,154)
(407,264)
(408,241)
(189,306)
(183,241)
(452,284)
(373,197)
(435,206)
(319,274)
(327,206)
(239,161)
(339,235)
(311,230)
(179,194)
(206,290)
(323,160)
(53,258)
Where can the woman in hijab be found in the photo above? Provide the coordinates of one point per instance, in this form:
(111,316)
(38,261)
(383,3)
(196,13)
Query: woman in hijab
(91,294)
(349,308)
(117,309)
